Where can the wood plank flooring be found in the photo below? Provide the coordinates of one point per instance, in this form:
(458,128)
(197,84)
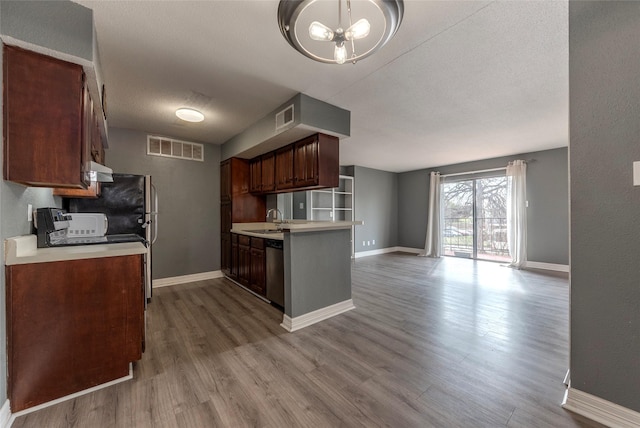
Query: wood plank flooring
(432,343)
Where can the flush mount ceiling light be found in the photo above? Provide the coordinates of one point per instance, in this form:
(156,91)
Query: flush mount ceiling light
(336,31)
(189,115)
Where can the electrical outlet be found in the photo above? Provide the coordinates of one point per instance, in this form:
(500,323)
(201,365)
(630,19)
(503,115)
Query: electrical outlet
(373,242)
(368,243)
(29,212)
(364,243)
(301,205)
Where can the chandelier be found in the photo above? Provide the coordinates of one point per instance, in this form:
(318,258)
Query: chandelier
(337,31)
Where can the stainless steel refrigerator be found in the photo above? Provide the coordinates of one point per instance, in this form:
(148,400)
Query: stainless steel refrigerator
(131,206)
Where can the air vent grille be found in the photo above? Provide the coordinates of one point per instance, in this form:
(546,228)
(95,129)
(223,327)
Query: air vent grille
(284,118)
(170,148)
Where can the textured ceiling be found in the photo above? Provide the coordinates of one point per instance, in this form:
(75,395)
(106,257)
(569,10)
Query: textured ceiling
(460,81)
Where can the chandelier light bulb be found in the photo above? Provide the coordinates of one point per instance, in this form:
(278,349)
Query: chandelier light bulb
(372,23)
(319,31)
(359,30)
(340,53)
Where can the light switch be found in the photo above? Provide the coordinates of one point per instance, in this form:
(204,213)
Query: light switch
(29,212)
(636,173)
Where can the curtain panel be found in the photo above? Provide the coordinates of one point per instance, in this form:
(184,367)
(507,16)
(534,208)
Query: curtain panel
(433,242)
(517,213)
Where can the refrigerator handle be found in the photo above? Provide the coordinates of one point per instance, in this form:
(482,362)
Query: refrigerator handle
(155,214)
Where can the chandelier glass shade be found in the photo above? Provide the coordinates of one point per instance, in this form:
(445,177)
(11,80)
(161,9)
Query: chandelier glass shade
(337,31)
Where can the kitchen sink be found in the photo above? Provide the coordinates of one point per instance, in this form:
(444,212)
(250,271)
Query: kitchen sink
(265,231)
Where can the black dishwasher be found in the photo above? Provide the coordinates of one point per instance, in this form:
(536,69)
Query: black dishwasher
(275,272)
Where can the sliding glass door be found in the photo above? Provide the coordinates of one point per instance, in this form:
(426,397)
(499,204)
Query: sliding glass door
(475,218)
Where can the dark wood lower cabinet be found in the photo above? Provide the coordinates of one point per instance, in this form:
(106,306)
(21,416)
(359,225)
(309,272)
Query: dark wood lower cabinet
(71,325)
(244,260)
(248,263)
(258,268)
(233,259)
(225,252)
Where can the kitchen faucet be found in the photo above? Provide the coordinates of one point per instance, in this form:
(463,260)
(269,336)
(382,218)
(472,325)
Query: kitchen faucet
(279,216)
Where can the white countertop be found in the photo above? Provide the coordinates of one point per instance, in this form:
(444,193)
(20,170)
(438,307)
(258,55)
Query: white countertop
(293,226)
(23,249)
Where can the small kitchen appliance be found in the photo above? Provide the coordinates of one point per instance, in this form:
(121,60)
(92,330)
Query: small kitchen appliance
(58,228)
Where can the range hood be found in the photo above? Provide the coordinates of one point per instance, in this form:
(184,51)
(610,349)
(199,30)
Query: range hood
(298,118)
(100,173)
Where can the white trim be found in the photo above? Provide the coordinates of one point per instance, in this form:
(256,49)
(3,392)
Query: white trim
(600,410)
(531,265)
(547,266)
(293,324)
(409,250)
(386,250)
(474,172)
(5,415)
(71,396)
(174,280)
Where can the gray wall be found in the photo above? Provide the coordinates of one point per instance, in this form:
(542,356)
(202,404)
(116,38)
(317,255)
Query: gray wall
(604,81)
(375,203)
(547,193)
(189,199)
(61,26)
(319,281)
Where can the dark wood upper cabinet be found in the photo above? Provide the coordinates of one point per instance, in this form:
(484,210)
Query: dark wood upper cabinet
(284,168)
(310,163)
(44,120)
(306,162)
(225,180)
(255,173)
(268,162)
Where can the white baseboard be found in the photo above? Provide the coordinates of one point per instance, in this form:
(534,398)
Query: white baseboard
(386,250)
(600,410)
(296,323)
(67,397)
(5,415)
(174,280)
(531,265)
(547,266)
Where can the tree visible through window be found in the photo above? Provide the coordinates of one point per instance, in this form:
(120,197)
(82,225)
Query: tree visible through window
(475,218)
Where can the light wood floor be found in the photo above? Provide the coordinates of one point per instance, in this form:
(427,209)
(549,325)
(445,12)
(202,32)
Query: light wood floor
(431,343)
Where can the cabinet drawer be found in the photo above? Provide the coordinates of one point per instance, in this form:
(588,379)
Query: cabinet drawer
(244,240)
(257,243)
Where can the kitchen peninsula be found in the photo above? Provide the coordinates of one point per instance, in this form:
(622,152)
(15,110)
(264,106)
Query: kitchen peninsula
(317,267)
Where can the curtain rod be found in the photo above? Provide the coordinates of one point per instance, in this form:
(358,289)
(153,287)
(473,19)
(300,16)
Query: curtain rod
(474,172)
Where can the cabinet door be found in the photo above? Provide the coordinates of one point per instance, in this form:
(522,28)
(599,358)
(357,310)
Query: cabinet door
(43,120)
(268,172)
(225,217)
(255,175)
(225,253)
(233,268)
(239,176)
(67,333)
(244,264)
(258,270)
(306,162)
(284,168)
(225,180)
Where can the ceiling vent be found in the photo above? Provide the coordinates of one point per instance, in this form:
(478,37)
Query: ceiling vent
(284,118)
(170,148)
